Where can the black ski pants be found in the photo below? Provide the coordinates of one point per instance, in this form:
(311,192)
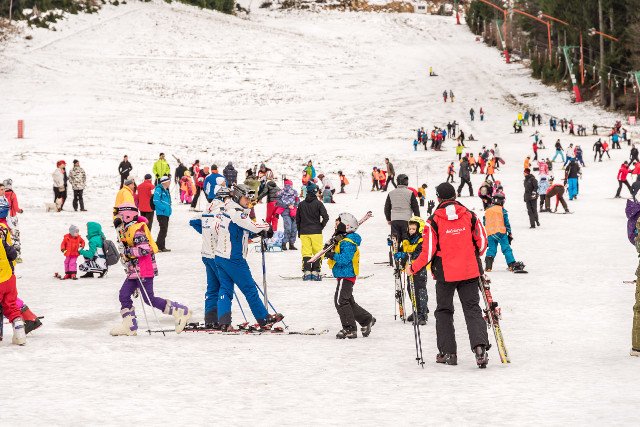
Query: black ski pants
(400,229)
(390,180)
(57,194)
(464,182)
(163,222)
(149,217)
(620,184)
(420,284)
(532,211)
(469,295)
(78,200)
(348,310)
(194,202)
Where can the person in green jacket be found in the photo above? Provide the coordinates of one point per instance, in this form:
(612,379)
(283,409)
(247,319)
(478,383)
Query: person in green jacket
(161,168)
(94,259)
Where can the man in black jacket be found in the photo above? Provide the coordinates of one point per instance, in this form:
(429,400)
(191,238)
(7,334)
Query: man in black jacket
(124,169)
(465,176)
(530,196)
(180,170)
(311,219)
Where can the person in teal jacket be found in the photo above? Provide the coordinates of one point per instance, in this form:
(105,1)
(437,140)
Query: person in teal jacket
(162,202)
(310,170)
(344,261)
(95,261)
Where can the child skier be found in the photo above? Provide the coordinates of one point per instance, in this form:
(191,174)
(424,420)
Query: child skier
(496,221)
(70,246)
(422,194)
(450,172)
(344,261)
(95,261)
(8,291)
(12,218)
(411,249)
(187,188)
(140,265)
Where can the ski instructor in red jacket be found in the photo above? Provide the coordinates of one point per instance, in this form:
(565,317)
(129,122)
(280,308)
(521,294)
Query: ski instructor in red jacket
(454,240)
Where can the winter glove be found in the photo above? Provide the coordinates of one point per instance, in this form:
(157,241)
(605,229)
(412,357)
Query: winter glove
(64,251)
(389,241)
(430,206)
(21,211)
(400,256)
(267,234)
(510,238)
(330,254)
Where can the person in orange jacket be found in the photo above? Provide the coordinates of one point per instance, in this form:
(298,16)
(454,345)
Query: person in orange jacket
(343,181)
(70,247)
(450,172)
(375,179)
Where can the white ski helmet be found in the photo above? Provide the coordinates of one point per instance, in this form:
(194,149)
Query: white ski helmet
(349,221)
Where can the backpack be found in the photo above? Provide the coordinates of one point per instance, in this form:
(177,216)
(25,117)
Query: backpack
(111,253)
(355,260)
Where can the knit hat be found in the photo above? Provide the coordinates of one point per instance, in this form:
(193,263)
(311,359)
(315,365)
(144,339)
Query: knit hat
(445,191)
(128,181)
(312,188)
(8,183)
(147,176)
(288,182)
(164,179)
(73,230)
(60,163)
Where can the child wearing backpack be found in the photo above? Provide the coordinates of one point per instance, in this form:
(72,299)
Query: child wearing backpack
(70,247)
(411,249)
(95,261)
(344,261)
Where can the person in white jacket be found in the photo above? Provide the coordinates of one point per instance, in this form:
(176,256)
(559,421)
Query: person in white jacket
(60,184)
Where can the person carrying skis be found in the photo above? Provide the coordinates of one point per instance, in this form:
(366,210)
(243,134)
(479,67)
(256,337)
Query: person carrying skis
(138,256)
(311,218)
(622,178)
(70,246)
(235,229)
(207,225)
(400,206)
(465,177)
(344,261)
(409,251)
(496,222)
(8,291)
(530,196)
(556,190)
(456,240)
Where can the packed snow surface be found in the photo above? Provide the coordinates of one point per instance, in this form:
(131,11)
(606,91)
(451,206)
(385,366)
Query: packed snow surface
(345,90)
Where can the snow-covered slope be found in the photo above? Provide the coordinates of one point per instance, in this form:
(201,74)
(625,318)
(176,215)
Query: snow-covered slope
(343,89)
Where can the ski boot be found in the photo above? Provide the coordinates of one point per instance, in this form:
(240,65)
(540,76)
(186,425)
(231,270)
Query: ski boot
(307,276)
(129,325)
(447,359)
(481,356)
(516,266)
(181,314)
(292,248)
(488,263)
(316,276)
(422,319)
(634,352)
(228,328)
(31,321)
(366,329)
(347,333)
(19,334)
(271,320)
(66,276)
(73,276)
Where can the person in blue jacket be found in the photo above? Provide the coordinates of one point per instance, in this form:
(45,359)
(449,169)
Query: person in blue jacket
(206,224)
(344,261)
(234,230)
(209,184)
(162,202)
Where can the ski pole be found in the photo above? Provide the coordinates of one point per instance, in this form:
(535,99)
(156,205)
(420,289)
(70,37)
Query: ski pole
(152,307)
(416,326)
(272,307)
(264,274)
(146,319)
(240,305)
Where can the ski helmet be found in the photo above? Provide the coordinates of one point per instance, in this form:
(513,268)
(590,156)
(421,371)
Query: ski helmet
(419,222)
(223,192)
(498,199)
(350,222)
(242,190)
(403,179)
(127,212)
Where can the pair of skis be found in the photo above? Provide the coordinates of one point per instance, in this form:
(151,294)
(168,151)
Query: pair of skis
(244,330)
(492,315)
(332,243)
(397,274)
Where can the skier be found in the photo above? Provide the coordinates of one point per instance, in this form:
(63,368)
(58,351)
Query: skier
(530,196)
(496,222)
(410,250)
(343,181)
(234,231)
(444,96)
(94,258)
(8,291)
(124,169)
(210,182)
(559,152)
(633,156)
(207,225)
(481,114)
(140,265)
(569,155)
(145,196)
(459,149)
(472,113)
(543,186)
(456,241)
(622,178)
(450,172)
(485,192)
(400,205)
(311,218)
(287,205)
(70,246)
(572,173)
(556,190)
(12,216)
(161,168)
(78,181)
(344,261)
(465,177)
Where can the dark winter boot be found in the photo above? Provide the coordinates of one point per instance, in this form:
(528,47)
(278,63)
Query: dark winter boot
(447,359)
(481,356)
(366,329)
(488,263)
(284,246)
(88,275)
(347,333)
(291,247)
